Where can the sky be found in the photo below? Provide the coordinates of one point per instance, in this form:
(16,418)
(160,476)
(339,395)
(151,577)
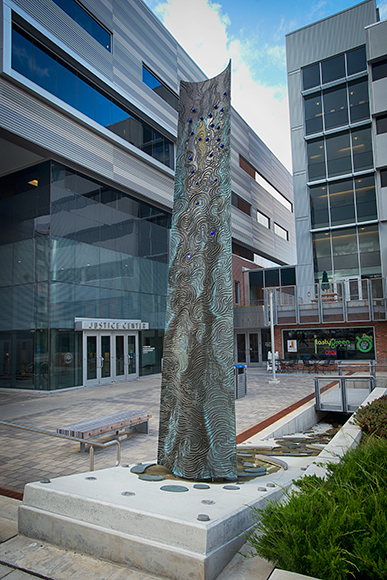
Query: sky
(251,33)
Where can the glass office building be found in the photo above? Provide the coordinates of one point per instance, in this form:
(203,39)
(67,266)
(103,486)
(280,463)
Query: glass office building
(77,254)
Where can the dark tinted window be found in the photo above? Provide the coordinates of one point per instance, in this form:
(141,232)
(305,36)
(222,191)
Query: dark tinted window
(256,278)
(342,202)
(379,70)
(383,177)
(335,107)
(288,276)
(316,159)
(356,60)
(313,114)
(381,124)
(365,198)
(338,154)
(240,203)
(319,206)
(362,149)
(333,69)
(311,76)
(271,278)
(358,100)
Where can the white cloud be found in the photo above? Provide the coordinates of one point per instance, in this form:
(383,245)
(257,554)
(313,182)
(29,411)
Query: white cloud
(206,39)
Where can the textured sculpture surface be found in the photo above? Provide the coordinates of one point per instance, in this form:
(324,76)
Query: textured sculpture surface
(197,437)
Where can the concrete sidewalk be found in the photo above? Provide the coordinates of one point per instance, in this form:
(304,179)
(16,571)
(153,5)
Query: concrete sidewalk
(26,456)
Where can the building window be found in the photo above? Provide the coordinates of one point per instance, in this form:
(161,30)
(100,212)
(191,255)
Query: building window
(311,76)
(160,88)
(346,152)
(347,252)
(281,232)
(379,70)
(237,287)
(240,203)
(383,177)
(263,220)
(381,124)
(334,102)
(246,166)
(343,202)
(242,252)
(86,21)
(356,61)
(33,61)
(333,69)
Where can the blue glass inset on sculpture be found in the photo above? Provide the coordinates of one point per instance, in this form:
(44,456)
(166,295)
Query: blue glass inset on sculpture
(197,438)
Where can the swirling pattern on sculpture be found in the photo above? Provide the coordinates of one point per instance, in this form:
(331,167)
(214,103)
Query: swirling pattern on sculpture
(197,438)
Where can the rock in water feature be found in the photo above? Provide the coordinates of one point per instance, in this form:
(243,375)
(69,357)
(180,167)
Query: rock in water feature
(197,438)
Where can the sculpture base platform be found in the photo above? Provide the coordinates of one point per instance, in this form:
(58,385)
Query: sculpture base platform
(149,529)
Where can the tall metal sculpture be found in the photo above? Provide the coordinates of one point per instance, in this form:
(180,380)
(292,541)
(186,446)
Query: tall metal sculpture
(197,437)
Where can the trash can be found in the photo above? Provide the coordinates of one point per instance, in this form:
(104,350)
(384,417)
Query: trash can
(240,381)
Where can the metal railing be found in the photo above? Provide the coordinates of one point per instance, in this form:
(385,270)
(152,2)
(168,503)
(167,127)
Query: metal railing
(341,403)
(77,439)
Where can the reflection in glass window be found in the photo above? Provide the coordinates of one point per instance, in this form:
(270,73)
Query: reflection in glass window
(345,253)
(335,107)
(160,88)
(369,250)
(365,198)
(358,100)
(31,59)
(281,232)
(263,220)
(362,149)
(319,206)
(342,202)
(383,177)
(356,61)
(311,76)
(240,203)
(313,114)
(322,257)
(316,159)
(288,276)
(271,278)
(338,154)
(86,21)
(333,69)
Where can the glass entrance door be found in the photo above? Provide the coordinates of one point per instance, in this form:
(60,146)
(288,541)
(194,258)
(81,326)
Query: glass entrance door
(109,356)
(253,348)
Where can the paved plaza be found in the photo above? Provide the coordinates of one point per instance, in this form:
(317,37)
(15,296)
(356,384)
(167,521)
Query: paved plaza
(26,456)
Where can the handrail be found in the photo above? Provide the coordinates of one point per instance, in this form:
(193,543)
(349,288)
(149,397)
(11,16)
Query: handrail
(60,436)
(340,380)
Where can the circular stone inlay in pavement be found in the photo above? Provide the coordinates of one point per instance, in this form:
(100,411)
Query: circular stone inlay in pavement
(141,467)
(91,478)
(262,489)
(208,501)
(128,493)
(201,486)
(148,477)
(45,481)
(175,488)
(231,487)
(272,484)
(203,518)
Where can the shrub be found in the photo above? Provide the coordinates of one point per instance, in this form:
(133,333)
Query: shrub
(334,528)
(372,418)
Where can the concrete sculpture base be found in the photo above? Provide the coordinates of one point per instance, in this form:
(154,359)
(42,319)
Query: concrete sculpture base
(153,530)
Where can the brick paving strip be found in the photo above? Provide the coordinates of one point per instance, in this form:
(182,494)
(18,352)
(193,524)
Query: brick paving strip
(26,457)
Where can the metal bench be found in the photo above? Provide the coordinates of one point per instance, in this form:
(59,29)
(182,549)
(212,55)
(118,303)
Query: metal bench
(123,420)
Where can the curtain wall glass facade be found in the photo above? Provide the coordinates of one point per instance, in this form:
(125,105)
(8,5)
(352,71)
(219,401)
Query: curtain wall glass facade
(73,247)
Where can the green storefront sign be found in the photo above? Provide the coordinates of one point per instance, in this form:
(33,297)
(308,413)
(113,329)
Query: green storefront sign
(337,343)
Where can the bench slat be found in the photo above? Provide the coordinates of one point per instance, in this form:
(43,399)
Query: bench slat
(105,424)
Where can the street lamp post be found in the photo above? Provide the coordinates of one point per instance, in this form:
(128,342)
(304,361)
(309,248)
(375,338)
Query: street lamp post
(273,380)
